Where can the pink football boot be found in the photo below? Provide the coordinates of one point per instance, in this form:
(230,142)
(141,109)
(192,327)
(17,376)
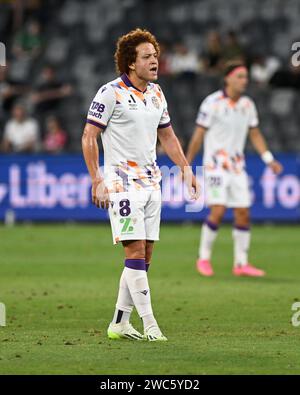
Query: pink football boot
(204,267)
(248,270)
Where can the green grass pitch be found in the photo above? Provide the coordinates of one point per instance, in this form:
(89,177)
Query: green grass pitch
(59,285)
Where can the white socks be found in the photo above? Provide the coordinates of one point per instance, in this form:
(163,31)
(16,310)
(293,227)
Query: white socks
(134,290)
(241,240)
(208,235)
(124,305)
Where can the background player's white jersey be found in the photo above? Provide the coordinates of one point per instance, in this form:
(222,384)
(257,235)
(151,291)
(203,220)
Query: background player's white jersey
(227,123)
(129,119)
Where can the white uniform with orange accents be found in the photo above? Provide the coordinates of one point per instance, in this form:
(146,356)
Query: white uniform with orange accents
(227,125)
(129,119)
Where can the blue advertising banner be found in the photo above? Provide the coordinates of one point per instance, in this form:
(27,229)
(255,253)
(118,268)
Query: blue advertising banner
(57,188)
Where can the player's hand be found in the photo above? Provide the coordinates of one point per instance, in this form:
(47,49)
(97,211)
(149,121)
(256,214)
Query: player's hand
(195,191)
(100,195)
(276,167)
(192,183)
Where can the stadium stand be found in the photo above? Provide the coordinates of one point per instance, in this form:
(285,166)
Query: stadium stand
(77,38)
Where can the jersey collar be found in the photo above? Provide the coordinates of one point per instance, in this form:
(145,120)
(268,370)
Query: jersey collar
(126,80)
(232,102)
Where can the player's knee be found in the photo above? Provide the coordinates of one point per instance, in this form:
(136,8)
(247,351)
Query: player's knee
(242,217)
(149,250)
(135,249)
(148,256)
(138,253)
(217,214)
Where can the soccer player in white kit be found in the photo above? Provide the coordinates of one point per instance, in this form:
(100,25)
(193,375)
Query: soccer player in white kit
(129,113)
(224,121)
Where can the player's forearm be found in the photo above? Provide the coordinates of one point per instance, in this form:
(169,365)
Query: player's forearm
(194,147)
(260,145)
(173,149)
(258,141)
(195,143)
(91,153)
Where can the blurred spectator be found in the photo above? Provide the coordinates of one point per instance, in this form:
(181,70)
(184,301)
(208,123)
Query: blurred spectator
(286,78)
(55,138)
(232,48)
(24,9)
(263,68)
(213,53)
(49,92)
(184,62)
(28,42)
(21,133)
(164,60)
(10,91)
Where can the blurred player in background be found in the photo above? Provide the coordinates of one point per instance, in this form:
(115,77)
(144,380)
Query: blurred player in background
(130,112)
(225,119)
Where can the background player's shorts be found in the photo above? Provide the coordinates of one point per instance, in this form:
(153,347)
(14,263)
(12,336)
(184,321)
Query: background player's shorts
(135,215)
(227,188)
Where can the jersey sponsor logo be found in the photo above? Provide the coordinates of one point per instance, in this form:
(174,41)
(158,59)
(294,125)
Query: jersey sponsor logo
(127,226)
(155,102)
(95,114)
(133,106)
(96,109)
(96,106)
(132,103)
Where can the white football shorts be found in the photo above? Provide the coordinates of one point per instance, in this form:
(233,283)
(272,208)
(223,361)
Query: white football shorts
(227,188)
(135,215)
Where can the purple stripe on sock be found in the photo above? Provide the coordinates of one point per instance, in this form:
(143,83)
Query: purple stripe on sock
(136,264)
(147,266)
(211,225)
(243,228)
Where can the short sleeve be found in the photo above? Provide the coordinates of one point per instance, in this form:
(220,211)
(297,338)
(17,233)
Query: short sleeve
(205,115)
(253,118)
(165,120)
(102,107)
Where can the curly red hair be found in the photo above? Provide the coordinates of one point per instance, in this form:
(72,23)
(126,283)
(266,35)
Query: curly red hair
(126,53)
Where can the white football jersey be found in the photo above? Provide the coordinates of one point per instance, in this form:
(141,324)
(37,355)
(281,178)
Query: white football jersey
(227,123)
(129,119)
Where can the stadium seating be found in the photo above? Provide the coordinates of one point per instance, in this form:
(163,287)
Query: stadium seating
(80,41)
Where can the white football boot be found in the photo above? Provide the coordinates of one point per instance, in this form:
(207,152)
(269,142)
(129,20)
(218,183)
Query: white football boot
(153,334)
(123,330)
